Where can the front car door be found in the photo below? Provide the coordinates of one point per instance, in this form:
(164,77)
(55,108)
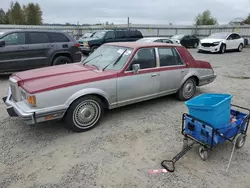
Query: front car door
(14,55)
(110,37)
(185,41)
(134,87)
(39,49)
(172,70)
(230,42)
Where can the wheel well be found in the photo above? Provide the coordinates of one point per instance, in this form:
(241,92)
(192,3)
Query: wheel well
(62,54)
(196,79)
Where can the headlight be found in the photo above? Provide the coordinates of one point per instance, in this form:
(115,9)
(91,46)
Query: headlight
(216,43)
(31,99)
(85,44)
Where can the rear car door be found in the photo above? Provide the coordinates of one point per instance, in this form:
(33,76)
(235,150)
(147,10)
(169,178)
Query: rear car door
(40,46)
(133,87)
(14,54)
(172,70)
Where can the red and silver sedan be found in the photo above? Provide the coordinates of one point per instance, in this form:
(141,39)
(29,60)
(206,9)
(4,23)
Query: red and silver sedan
(116,74)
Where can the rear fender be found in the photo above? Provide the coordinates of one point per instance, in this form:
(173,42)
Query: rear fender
(190,74)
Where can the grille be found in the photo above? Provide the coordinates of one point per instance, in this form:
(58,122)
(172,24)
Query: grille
(207,44)
(13,92)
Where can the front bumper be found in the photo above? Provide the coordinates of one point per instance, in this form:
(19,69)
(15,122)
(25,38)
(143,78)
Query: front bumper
(30,115)
(85,49)
(209,49)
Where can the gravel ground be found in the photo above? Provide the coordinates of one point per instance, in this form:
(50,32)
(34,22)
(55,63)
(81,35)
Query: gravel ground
(129,142)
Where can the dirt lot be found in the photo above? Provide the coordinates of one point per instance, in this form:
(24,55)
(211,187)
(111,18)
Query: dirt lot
(129,142)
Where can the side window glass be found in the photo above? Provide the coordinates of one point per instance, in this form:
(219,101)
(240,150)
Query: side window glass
(230,37)
(14,39)
(177,57)
(145,57)
(120,34)
(167,41)
(159,40)
(38,38)
(110,35)
(58,37)
(167,57)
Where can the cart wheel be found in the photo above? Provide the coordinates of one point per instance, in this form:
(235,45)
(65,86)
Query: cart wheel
(240,141)
(203,153)
(185,143)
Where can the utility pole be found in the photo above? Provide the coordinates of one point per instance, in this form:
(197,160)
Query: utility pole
(128,22)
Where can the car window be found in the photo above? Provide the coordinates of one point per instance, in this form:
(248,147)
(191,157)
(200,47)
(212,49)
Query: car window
(110,35)
(14,39)
(38,38)
(120,34)
(159,40)
(167,41)
(145,57)
(234,36)
(169,57)
(58,37)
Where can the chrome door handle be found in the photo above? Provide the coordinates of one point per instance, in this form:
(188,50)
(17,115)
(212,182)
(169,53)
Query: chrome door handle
(153,75)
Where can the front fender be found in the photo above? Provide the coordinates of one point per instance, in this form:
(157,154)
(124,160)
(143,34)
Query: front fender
(88,91)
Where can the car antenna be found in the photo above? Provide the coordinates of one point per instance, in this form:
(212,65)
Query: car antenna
(116,60)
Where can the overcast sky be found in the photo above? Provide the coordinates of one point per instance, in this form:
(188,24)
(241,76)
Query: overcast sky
(178,12)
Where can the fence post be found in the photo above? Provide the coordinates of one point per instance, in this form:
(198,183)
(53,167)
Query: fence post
(157,32)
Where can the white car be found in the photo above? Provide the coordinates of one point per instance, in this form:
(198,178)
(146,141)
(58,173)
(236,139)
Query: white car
(221,42)
(155,39)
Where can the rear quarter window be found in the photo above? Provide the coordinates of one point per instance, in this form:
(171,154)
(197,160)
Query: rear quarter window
(58,37)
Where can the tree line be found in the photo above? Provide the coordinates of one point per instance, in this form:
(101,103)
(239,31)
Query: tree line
(206,18)
(30,14)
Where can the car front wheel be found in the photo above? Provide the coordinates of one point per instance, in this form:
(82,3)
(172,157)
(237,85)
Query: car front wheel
(84,113)
(187,90)
(223,48)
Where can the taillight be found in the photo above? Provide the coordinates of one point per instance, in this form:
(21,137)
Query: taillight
(77,45)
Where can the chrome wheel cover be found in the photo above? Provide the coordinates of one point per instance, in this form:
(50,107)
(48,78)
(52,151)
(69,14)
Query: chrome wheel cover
(188,89)
(86,114)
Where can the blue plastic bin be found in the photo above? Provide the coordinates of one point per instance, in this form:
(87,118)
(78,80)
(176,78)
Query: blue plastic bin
(211,108)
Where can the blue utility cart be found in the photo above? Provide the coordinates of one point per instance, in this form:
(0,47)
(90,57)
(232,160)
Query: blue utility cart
(211,120)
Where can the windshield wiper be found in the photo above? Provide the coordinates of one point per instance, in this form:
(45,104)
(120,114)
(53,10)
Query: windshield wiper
(115,61)
(94,66)
(100,55)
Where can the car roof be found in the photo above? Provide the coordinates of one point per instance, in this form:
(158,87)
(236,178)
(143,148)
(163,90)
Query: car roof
(31,30)
(142,44)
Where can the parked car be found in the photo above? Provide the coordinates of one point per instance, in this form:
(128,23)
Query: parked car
(86,35)
(186,40)
(89,45)
(116,74)
(155,39)
(28,49)
(221,42)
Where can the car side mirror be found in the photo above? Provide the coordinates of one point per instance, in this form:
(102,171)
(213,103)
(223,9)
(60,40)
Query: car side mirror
(135,68)
(2,43)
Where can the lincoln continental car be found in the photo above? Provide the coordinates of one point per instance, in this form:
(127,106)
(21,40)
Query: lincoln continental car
(116,74)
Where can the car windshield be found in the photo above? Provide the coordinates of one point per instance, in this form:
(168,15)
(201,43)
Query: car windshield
(218,35)
(177,36)
(87,34)
(99,34)
(106,55)
(1,34)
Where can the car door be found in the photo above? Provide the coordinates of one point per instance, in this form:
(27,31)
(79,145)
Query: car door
(110,37)
(14,54)
(134,87)
(40,46)
(185,41)
(236,40)
(230,42)
(172,70)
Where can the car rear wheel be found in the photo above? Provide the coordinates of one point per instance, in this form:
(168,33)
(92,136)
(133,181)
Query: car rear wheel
(61,60)
(222,48)
(240,47)
(187,90)
(84,113)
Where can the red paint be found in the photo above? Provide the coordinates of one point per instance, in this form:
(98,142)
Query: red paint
(49,78)
(55,77)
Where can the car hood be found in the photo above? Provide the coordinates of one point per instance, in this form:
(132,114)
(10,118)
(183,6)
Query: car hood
(55,77)
(211,40)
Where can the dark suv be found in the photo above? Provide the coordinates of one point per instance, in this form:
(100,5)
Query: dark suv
(27,49)
(88,45)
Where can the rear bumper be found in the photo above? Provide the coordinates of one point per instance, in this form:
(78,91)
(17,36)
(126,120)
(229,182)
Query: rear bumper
(30,116)
(207,79)
(85,49)
(77,57)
